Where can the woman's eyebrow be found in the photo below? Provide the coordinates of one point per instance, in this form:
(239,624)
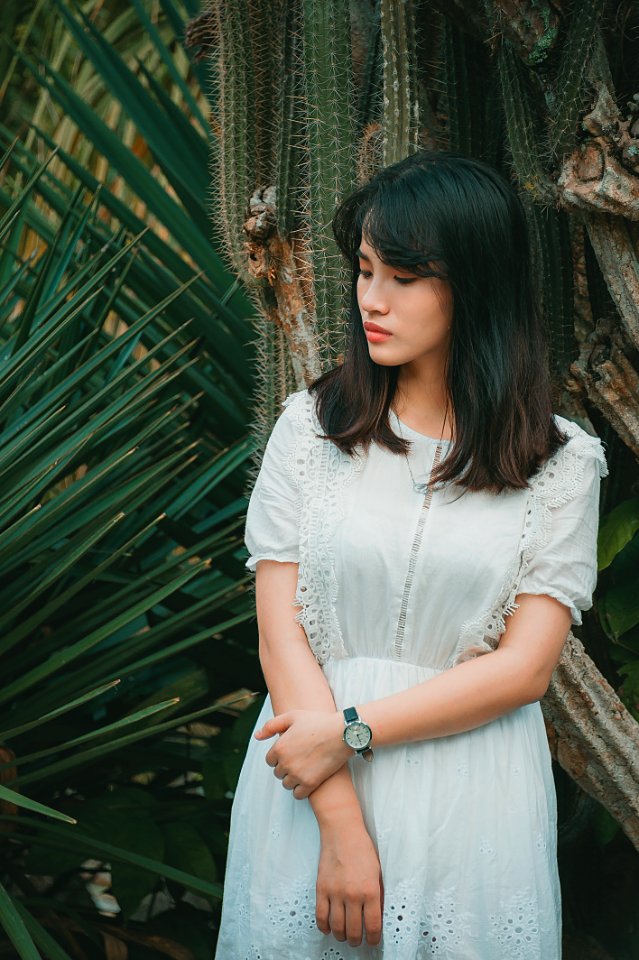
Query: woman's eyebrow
(358,253)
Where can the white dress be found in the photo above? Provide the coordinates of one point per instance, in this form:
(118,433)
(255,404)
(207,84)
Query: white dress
(392,594)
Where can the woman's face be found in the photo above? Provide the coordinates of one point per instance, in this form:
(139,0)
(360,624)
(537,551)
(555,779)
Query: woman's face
(416,311)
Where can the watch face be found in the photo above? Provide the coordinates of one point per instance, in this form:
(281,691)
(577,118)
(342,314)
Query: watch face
(357,735)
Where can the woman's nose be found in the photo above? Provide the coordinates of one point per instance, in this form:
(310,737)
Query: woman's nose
(372,300)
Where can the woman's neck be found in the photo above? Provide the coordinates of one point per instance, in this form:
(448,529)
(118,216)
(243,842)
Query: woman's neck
(421,405)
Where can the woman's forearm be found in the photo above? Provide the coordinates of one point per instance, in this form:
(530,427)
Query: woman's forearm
(459,699)
(293,676)
(295,680)
(480,690)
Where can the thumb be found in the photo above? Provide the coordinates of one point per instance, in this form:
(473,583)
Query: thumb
(277,725)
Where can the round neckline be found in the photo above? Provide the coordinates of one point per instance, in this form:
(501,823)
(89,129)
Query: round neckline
(416,433)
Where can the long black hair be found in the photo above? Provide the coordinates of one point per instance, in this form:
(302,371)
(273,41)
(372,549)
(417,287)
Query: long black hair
(442,214)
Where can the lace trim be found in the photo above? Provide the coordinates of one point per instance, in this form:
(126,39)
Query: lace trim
(555,483)
(321,471)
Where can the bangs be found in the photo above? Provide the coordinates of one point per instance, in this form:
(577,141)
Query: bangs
(386,221)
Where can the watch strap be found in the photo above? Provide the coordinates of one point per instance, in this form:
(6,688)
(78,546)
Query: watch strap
(350,714)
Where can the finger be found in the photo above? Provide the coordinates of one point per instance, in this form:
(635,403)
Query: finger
(321,912)
(354,922)
(373,920)
(271,758)
(277,724)
(337,919)
(289,782)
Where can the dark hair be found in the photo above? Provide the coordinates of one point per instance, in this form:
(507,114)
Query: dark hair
(442,214)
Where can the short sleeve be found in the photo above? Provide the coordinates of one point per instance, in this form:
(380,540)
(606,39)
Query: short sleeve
(272,517)
(563,564)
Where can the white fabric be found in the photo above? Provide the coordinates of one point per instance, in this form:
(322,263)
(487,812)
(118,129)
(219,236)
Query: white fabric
(465,825)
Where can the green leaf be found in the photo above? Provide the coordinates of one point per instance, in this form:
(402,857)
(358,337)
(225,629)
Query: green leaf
(188,179)
(59,711)
(169,62)
(605,826)
(142,836)
(15,928)
(187,851)
(124,160)
(49,946)
(109,728)
(81,758)
(619,609)
(617,529)
(11,796)
(67,838)
(67,654)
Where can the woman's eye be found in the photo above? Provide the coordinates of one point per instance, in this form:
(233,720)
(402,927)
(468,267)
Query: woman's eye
(403,280)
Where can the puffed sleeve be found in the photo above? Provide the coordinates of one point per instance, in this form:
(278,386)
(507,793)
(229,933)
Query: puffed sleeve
(271,530)
(564,563)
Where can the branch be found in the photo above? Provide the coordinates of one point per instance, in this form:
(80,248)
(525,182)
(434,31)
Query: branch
(593,736)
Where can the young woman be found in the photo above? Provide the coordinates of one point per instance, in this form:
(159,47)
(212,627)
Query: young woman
(423,532)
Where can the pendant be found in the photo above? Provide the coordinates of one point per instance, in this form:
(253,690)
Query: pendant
(420,487)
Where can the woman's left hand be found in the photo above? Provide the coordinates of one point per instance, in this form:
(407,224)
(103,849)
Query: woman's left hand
(309,748)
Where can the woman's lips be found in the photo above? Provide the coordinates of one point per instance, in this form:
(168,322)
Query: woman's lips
(375,333)
(374,336)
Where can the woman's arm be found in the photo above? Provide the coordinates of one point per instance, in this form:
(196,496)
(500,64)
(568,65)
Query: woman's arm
(294,678)
(479,690)
(310,746)
(349,888)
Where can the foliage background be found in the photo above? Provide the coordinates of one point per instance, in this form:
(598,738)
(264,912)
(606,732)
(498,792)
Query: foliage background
(128,648)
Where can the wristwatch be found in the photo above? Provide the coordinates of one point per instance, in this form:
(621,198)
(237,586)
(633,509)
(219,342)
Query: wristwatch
(357,734)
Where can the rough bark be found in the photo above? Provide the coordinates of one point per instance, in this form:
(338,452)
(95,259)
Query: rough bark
(610,381)
(593,736)
(602,173)
(273,259)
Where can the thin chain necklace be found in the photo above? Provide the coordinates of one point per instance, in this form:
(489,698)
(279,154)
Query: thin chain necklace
(421,486)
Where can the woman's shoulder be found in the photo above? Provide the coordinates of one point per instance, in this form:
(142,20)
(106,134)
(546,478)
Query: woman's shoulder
(299,408)
(561,476)
(297,400)
(581,445)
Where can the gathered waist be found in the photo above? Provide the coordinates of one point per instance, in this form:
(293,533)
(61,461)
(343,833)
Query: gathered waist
(356,679)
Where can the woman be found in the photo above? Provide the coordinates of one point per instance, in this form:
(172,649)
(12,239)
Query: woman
(423,532)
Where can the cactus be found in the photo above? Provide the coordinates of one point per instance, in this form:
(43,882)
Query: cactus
(330,168)
(400,119)
(524,135)
(570,96)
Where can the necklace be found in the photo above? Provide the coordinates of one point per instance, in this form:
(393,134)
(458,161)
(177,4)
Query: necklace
(421,486)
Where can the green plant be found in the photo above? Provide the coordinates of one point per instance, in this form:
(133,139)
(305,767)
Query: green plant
(127,661)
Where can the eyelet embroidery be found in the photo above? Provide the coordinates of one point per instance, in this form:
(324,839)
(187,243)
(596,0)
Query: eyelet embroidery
(421,924)
(321,471)
(555,483)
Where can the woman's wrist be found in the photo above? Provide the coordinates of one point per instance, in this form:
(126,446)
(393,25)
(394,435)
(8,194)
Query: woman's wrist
(335,803)
(336,819)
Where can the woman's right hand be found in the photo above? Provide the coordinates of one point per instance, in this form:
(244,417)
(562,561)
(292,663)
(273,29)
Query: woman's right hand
(350,889)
